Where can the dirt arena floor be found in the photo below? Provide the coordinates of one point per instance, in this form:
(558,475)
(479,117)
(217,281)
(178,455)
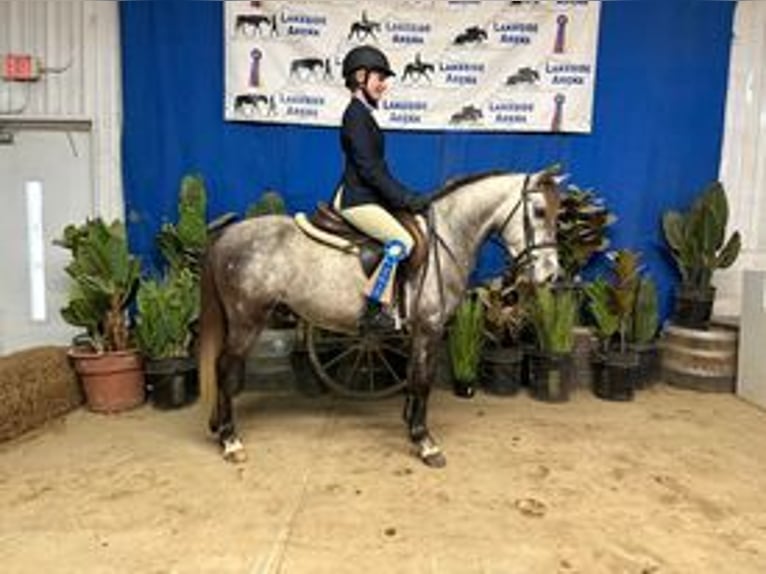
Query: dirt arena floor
(673,482)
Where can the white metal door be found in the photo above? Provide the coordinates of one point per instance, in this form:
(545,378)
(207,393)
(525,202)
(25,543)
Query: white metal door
(61,162)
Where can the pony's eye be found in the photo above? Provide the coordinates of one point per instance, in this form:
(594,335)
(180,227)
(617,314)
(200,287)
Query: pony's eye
(539,212)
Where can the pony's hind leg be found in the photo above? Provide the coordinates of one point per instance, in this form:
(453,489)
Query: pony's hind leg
(231,373)
(422,372)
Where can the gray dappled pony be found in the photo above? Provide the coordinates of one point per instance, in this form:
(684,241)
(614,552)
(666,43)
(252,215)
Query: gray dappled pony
(259,263)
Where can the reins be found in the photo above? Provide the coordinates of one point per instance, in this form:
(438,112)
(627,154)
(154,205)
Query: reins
(436,242)
(524,257)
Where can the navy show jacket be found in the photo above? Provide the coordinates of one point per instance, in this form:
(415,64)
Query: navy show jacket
(366,178)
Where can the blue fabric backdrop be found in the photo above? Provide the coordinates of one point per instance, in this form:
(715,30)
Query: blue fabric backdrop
(656,139)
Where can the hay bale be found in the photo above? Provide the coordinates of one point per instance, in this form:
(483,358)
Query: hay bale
(36,386)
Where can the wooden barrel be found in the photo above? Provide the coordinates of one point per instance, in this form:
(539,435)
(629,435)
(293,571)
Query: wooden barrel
(702,360)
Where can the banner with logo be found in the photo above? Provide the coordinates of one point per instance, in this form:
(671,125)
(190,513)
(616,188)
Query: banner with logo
(472,65)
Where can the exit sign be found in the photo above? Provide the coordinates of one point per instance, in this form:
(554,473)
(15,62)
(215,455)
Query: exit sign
(20,68)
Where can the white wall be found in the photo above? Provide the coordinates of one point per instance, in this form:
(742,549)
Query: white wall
(61,163)
(743,158)
(78,42)
(66,130)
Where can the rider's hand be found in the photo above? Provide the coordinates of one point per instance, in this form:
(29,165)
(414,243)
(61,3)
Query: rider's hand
(418,203)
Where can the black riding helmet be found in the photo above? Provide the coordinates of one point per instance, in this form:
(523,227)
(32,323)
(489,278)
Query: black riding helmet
(367,57)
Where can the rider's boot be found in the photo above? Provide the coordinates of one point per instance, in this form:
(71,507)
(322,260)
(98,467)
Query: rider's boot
(376,318)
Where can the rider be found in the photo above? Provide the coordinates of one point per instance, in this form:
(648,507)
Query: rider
(367,190)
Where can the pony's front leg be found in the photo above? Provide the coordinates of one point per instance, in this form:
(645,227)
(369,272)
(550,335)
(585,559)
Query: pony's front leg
(422,370)
(230,375)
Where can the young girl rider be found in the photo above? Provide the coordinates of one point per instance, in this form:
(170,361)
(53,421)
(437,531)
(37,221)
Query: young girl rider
(368,192)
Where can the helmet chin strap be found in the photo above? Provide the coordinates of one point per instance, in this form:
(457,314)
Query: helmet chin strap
(372,102)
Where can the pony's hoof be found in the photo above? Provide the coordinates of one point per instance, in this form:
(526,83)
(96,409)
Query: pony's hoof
(237,457)
(234,451)
(430,453)
(435,460)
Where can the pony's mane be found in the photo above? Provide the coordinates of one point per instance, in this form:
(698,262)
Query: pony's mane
(461,181)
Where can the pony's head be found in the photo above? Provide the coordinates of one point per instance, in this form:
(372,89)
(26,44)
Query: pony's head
(530,230)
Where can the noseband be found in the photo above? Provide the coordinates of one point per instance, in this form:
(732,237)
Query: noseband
(524,257)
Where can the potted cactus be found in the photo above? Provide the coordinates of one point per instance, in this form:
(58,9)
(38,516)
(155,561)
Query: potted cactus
(269,203)
(698,244)
(183,242)
(104,276)
(167,310)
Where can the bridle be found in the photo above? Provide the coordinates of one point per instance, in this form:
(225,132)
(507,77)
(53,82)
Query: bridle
(524,257)
(522,260)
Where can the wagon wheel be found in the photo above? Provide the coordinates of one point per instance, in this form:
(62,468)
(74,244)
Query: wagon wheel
(359,366)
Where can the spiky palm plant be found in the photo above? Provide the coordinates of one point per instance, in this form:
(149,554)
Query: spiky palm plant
(465,339)
(553,314)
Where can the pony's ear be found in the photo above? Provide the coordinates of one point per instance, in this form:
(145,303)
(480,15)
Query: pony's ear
(552,170)
(545,177)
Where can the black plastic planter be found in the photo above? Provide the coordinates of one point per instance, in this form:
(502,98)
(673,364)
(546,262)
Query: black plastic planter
(614,376)
(501,371)
(648,371)
(693,308)
(464,389)
(172,383)
(550,376)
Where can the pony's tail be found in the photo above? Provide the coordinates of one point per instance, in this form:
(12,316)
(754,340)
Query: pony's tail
(211,334)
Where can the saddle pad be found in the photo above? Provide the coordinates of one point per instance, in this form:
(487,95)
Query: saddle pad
(305,225)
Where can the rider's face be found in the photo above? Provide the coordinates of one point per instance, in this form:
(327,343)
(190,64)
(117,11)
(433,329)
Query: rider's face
(376,85)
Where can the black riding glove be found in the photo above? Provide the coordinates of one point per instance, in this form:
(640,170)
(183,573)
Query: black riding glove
(418,203)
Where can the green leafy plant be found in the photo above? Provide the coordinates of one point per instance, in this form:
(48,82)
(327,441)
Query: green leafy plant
(583,221)
(166,311)
(183,242)
(270,203)
(104,275)
(599,297)
(553,314)
(625,304)
(504,315)
(645,313)
(697,238)
(465,339)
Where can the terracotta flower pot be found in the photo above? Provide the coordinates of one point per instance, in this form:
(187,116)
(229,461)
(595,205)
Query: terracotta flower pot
(112,382)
